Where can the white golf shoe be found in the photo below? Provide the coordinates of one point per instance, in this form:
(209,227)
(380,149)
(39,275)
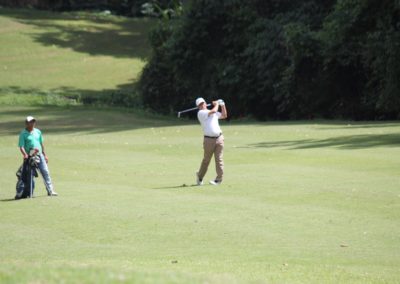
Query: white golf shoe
(198,180)
(215,182)
(52,193)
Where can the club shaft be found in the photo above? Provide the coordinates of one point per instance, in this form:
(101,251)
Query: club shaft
(31,189)
(191,109)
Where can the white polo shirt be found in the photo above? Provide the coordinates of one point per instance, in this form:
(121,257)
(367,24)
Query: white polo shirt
(209,123)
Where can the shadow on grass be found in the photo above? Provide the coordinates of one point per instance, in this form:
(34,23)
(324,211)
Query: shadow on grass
(81,119)
(178,186)
(341,142)
(13,199)
(371,124)
(70,95)
(8,200)
(88,33)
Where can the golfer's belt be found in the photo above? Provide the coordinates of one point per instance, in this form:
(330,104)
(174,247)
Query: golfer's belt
(211,137)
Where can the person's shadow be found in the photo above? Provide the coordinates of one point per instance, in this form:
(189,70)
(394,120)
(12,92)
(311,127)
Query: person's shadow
(9,199)
(178,186)
(13,199)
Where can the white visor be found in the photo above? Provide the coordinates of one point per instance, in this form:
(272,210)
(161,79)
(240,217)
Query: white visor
(199,101)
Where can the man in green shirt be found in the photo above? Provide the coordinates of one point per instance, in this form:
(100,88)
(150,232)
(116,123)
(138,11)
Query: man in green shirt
(30,139)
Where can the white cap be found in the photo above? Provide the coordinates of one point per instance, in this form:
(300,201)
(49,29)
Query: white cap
(199,101)
(30,118)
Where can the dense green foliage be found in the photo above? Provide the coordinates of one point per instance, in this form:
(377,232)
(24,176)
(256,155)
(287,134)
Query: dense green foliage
(280,59)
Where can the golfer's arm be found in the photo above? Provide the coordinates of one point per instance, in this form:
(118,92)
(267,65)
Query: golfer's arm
(224,112)
(43,152)
(23,152)
(213,110)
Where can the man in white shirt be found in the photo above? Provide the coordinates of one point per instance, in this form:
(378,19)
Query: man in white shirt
(213,139)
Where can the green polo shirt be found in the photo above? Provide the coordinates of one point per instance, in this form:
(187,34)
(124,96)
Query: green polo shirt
(31,140)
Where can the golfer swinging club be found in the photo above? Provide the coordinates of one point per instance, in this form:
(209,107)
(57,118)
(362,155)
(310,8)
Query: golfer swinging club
(213,139)
(31,138)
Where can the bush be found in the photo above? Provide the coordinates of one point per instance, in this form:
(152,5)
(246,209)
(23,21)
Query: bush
(279,59)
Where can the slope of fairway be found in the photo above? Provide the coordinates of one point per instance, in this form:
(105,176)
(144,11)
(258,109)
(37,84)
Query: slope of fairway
(301,202)
(44,55)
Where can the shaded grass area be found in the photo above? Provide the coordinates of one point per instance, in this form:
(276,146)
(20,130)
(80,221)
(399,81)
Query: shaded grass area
(127,210)
(80,119)
(88,33)
(64,58)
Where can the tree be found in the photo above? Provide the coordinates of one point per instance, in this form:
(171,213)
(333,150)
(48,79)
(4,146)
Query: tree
(280,59)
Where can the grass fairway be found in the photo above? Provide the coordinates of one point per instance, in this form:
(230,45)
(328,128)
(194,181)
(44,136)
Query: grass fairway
(301,202)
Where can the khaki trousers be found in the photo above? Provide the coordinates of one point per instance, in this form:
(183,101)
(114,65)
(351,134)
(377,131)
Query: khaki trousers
(212,147)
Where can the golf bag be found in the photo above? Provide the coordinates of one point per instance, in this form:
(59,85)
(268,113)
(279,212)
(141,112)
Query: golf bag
(25,175)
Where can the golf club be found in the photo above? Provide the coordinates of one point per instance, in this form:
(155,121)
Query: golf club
(31,192)
(188,110)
